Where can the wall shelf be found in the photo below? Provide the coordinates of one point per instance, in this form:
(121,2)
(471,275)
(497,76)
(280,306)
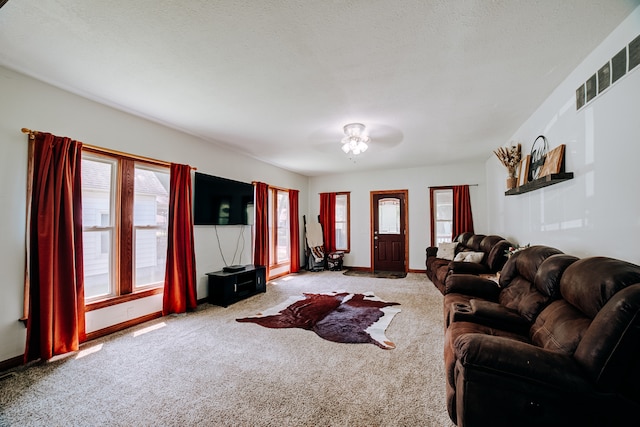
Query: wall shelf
(545,181)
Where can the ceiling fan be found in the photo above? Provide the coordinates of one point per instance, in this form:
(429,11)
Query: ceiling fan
(354,137)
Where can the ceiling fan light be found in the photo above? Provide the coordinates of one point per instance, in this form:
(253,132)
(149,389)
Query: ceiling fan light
(354,141)
(354,129)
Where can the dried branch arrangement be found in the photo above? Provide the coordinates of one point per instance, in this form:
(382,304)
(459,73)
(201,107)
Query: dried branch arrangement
(509,156)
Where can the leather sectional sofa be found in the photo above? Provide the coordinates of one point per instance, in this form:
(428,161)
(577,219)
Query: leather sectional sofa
(493,256)
(555,343)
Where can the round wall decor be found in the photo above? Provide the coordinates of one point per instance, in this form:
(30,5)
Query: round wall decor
(538,154)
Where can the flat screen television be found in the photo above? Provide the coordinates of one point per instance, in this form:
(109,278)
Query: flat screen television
(221,201)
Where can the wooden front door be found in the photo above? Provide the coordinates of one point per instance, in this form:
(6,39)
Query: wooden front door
(389,230)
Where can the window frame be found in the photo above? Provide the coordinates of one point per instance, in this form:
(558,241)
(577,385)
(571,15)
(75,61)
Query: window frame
(434,211)
(347,222)
(274,262)
(122,255)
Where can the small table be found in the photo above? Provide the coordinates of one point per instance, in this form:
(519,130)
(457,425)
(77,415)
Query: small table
(228,287)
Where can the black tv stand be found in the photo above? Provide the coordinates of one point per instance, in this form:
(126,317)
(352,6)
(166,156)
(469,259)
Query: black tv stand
(228,287)
(234,268)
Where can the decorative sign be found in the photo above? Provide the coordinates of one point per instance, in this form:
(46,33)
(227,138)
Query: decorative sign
(538,154)
(554,162)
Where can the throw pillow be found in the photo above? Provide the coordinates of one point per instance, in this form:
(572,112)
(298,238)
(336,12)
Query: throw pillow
(474,257)
(460,256)
(447,250)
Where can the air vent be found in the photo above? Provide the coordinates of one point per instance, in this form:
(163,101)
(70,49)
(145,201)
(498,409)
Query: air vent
(622,62)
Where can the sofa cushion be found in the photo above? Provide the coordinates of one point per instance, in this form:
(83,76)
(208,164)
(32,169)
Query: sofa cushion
(559,327)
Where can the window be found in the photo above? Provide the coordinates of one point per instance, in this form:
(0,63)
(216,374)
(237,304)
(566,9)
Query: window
(124,218)
(280,253)
(342,222)
(389,216)
(441,214)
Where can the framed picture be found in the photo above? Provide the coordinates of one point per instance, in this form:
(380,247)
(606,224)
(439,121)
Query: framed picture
(553,162)
(523,174)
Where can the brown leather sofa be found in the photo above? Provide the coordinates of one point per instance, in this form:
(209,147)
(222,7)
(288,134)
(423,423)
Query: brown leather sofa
(577,364)
(524,289)
(493,247)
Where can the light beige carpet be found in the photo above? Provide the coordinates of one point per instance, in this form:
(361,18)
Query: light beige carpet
(206,369)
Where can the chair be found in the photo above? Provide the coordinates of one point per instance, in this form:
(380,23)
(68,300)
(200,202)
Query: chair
(317,259)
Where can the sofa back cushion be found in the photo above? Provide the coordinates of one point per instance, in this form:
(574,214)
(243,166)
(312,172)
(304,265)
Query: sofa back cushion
(463,238)
(489,242)
(525,263)
(517,280)
(547,279)
(529,298)
(607,290)
(474,242)
(610,349)
(497,256)
(589,283)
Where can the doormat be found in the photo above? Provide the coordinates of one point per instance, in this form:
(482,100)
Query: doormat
(376,274)
(335,316)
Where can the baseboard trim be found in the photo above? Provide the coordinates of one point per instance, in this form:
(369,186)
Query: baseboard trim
(14,362)
(350,267)
(120,326)
(411,270)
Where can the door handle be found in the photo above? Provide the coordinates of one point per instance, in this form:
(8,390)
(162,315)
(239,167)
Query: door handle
(375,237)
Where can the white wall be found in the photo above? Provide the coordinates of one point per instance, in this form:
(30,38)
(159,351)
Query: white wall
(417,181)
(598,212)
(26,102)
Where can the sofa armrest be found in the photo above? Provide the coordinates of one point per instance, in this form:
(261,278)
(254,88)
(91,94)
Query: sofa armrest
(525,362)
(469,284)
(491,314)
(431,251)
(461,267)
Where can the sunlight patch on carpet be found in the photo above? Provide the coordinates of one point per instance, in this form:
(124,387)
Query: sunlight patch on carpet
(335,316)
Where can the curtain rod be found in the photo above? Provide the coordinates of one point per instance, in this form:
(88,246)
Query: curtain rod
(32,134)
(448,186)
(273,186)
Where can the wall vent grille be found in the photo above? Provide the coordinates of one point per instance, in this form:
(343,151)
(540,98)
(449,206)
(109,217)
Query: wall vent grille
(621,63)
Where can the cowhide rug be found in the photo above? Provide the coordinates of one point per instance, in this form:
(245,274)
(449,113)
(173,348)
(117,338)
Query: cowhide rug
(336,316)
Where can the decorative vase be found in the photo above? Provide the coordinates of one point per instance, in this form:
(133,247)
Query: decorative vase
(512,179)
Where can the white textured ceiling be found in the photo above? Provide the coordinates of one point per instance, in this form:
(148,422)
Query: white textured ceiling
(435,81)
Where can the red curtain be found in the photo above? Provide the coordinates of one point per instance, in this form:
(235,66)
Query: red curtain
(462,217)
(180,274)
(56,293)
(294,231)
(328,220)
(261,223)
